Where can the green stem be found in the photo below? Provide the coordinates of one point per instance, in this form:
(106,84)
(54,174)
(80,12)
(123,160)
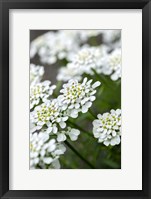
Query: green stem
(100,90)
(102,79)
(99,77)
(79,155)
(92,114)
(58,86)
(80,128)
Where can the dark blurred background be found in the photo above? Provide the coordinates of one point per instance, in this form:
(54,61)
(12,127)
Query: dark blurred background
(36,33)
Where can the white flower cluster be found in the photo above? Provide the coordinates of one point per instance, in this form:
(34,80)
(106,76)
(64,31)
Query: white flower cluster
(48,114)
(107,128)
(112,65)
(55,45)
(77,97)
(81,58)
(93,58)
(40,91)
(49,118)
(44,152)
(84,61)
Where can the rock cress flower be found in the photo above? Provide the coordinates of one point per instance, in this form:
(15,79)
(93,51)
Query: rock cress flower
(107,128)
(44,152)
(77,96)
(40,91)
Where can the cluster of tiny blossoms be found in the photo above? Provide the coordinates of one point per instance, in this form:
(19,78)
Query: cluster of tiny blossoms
(44,149)
(84,61)
(44,152)
(55,45)
(63,44)
(88,59)
(49,118)
(40,91)
(107,128)
(81,57)
(77,97)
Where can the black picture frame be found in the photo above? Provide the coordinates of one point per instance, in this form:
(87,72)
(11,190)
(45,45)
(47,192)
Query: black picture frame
(5,5)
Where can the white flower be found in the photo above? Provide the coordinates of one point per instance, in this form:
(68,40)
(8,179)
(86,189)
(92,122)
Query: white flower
(44,152)
(89,58)
(40,91)
(107,128)
(86,59)
(36,74)
(77,97)
(48,114)
(71,132)
(112,64)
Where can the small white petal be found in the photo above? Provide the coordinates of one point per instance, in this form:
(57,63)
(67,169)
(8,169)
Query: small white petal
(84,109)
(62,124)
(92,98)
(61,137)
(96,84)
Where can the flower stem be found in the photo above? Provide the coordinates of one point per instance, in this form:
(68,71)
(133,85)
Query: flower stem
(80,128)
(102,79)
(79,155)
(57,90)
(92,114)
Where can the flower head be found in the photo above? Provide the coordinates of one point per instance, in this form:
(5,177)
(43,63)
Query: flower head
(112,64)
(89,58)
(44,152)
(40,91)
(48,114)
(107,128)
(77,96)
(55,45)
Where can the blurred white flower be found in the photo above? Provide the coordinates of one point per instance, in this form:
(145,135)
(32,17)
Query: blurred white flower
(55,45)
(112,64)
(48,114)
(40,91)
(36,74)
(89,58)
(71,71)
(44,152)
(86,59)
(77,97)
(107,128)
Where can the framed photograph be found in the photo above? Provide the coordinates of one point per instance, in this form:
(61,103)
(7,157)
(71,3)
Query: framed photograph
(75,100)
